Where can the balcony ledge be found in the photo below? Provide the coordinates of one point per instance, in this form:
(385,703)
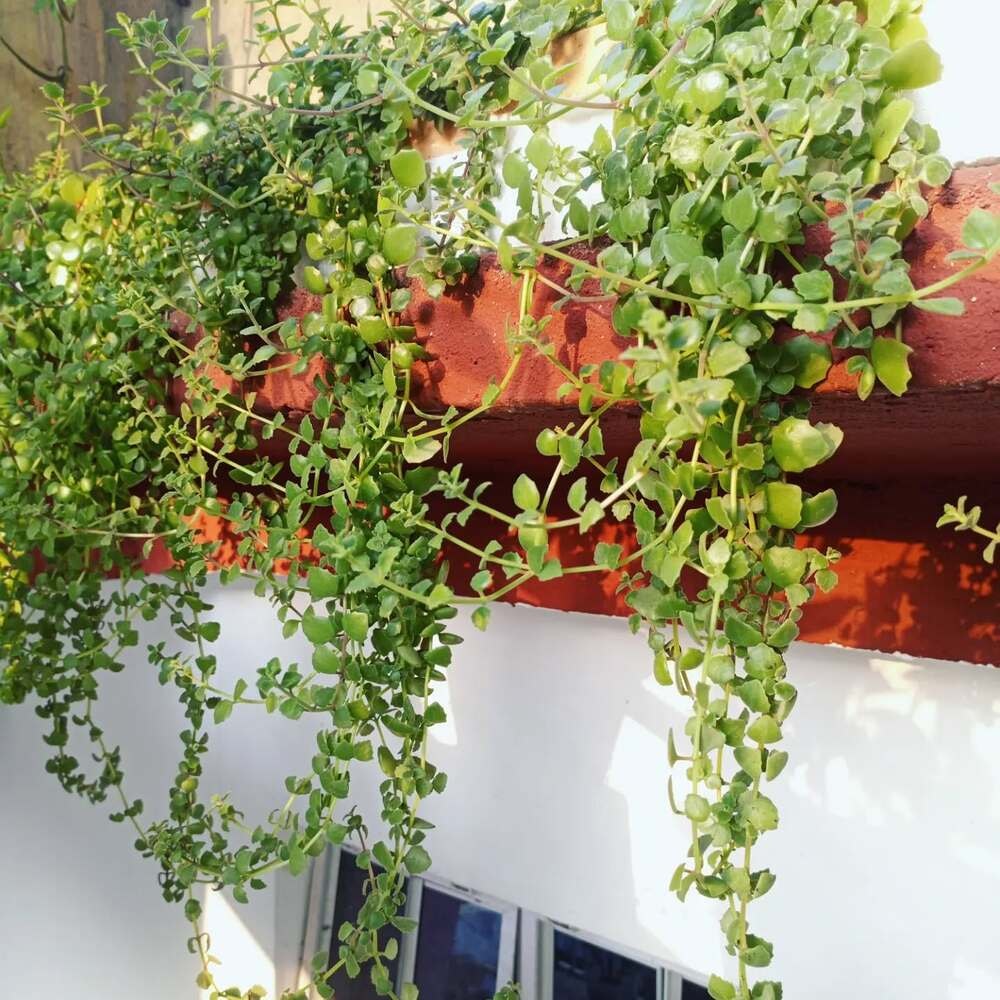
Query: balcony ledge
(905,586)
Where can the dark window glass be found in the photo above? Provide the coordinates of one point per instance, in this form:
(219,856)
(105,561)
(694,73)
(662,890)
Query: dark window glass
(458,948)
(583,971)
(692,991)
(350,896)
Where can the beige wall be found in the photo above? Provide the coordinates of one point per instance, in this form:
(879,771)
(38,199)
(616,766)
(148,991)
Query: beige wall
(95,57)
(234,24)
(92,56)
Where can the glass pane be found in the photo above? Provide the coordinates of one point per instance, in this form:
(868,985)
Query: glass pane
(583,971)
(458,948)
(350,896)
(692,991)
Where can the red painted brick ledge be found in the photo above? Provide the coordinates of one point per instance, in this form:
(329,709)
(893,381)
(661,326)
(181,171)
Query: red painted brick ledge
(905,586)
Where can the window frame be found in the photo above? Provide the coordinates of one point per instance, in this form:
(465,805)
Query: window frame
(677,979)
(527,938)
(322,905)
(543,930)
(507,950)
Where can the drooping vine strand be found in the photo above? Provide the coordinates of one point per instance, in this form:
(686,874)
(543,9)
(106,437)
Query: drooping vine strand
(139,308)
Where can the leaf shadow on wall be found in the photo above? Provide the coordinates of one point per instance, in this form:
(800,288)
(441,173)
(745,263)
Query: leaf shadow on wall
(890,813)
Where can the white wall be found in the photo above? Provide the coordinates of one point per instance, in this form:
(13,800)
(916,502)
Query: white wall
(886,856)
(961,105)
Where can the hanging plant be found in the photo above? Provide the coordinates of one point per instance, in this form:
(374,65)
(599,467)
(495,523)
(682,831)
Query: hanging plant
(732,127)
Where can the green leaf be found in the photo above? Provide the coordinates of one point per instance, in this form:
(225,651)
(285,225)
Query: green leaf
(314,246)
(799,445)
(913,66)
(620,19)
(417,860)
(814,286)
(367,81)
(440,594)
(356,625)
(941,307)
(881,12)
(674,248)
(570,451)
(718,554)
(592,513)
(399,244)
(750,759)
(297,859)
(417,450)
(935,171)
(325,660)
(740,211)
(739,881)
(762,813)
(719,509)
(776,761)
(726,357)
(740,633)
(889,126)
(786,633)
(818,509)
(890,358)
(784,504)
(318,629)
(551,570)
(409,168)
(661,670)
(696,808)
(720,669)
(72,189)
(753,695)
(759,955)
(669,568)
(784,565)
(547,442)
(607,555)
(526,494)
(516,172)
(322,584)
(210,631)
(811,319)
(764,730)
(750,456)
(634,218)
(812,360)
(539,151)
(981,230)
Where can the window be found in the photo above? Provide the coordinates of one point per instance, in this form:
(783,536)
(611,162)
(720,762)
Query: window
(574,966)
(349,894)
(585,971)
(692,991)
(465,945)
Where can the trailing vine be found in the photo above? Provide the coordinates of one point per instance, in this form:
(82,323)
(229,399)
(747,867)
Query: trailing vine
(961,517)
(731,127)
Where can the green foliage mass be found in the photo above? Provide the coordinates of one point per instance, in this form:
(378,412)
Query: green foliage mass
(138,315)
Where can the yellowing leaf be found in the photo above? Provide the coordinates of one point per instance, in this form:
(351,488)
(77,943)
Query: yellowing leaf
(890,358)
